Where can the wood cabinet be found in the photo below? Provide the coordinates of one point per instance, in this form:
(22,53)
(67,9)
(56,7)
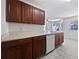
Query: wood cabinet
(27,13)
(20,12)
(13,11)
(29,48)
(59,39)
(42,17)
(18,49)
(38,16)
(27,51)
(13,53)
(39,46)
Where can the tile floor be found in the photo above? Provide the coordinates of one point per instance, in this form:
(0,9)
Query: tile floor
(69,50)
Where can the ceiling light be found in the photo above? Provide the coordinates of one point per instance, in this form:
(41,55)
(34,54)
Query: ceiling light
(68,0)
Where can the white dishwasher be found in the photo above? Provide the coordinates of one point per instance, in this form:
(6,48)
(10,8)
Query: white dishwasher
(50,43)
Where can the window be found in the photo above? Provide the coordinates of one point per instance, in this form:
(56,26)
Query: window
(74,25)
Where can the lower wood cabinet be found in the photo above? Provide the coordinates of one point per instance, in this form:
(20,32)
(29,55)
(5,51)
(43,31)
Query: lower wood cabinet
(18,49)
(39,46)
(29,48)
(59,39)
(27,52)
(13,53)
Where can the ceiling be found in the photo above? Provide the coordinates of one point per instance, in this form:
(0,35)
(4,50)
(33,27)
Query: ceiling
(57,8)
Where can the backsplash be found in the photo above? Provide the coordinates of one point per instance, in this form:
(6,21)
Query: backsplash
(14,27)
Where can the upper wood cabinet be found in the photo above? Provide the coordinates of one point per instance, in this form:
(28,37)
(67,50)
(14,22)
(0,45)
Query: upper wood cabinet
(42,17)
(13,11)
(17,11)
(38,16)
(27,13)
(35,15)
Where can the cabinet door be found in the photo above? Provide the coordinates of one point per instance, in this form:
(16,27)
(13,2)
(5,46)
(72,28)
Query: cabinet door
(38,16)
(13,11)
(10,52)
(35,15)
(57,40)
(13,53)
(27,51)
(61,38)
(26,13)
(42,17)
(17,49)
(39,46)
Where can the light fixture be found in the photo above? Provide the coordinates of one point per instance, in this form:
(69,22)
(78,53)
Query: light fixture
(68,0)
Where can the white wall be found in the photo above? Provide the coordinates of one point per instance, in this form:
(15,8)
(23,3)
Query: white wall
(70,34)
(4,26)
(13,27)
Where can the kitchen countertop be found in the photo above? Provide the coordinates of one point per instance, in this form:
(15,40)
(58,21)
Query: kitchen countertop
(21,35)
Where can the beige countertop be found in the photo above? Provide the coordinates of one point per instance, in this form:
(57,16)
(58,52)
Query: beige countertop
(20,35)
